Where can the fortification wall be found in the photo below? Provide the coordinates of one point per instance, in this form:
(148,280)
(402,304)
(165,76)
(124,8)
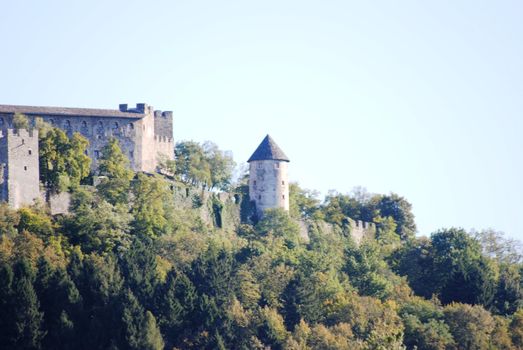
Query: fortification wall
(268,184)
(140,138)
(163,134)
(361,230)
(19,166)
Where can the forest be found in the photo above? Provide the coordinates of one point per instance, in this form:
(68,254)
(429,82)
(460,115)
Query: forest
(130,268)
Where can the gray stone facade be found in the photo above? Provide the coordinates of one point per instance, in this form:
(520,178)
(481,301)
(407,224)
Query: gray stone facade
(269,177)
(19,172)
(144,136)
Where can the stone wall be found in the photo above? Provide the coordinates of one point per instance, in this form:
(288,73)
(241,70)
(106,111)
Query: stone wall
(142,132)
(269,184)
(19,167)
(361,230)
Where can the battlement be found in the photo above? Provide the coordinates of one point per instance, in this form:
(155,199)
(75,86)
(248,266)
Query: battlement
(163,114)
(141,108)
(360,229)
(19,133)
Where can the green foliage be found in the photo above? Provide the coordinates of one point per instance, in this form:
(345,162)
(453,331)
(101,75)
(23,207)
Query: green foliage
(20,121)
(303,203)
(471,326)
(152,206)
(203,165)
(63,162)
(450,265)
(136,266)
(114,167)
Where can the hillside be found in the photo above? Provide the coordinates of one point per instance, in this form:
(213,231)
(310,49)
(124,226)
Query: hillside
(179,261)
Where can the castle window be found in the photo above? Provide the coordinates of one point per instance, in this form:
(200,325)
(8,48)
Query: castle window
(84,130)
(30,152)
(283,182)
(254,182)
(100,129)
(131,154)
(277,165)
(259,165)
(25,168)
(23,142)
(282,196)
(131,126)
(259,197)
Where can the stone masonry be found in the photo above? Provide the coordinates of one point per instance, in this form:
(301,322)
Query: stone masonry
(268,177)
(144,136)
(19,172)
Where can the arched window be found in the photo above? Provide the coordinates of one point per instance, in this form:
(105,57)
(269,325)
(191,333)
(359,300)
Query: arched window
(84,130)
(100,129)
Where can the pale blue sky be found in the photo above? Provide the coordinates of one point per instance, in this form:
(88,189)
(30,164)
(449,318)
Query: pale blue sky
(422,98)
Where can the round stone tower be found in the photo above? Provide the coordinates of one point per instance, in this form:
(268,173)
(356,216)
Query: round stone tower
(268,177)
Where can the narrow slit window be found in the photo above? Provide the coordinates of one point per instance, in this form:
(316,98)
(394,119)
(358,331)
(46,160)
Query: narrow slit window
(30,152)
(25,168)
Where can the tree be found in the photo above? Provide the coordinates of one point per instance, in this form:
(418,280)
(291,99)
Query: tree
(221,166)
(278,223)
(20,121)
(63,162)
(516,329)
(471,326)
(303,203)
(400,210)
(21,316)
(152,206)
(115,167)
(192,166)
(96,224)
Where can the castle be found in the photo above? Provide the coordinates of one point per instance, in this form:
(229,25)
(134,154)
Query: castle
(144,136)
(143,133)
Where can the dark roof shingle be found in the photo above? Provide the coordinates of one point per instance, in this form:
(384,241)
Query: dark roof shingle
(268,150)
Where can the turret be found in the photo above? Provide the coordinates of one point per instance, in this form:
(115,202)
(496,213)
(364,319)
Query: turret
(268,177)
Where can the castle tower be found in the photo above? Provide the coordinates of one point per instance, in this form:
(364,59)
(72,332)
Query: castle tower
(268,177)
(19,173)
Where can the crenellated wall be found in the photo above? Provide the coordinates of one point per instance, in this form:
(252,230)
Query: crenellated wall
(142,132)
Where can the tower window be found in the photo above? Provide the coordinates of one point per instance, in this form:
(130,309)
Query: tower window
(131,154)
(23,142)
(259,197)
(254,182)
(30,152)
(277,165)
(283,182)
(282,196)
(25,168)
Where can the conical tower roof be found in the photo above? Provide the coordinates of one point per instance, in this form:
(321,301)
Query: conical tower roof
(268,150)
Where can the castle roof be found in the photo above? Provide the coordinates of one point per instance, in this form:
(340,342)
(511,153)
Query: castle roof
(268,150)
(66,111)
